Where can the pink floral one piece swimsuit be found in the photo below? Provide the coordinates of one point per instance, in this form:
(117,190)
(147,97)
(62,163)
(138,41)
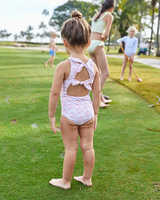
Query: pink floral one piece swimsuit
(78,109)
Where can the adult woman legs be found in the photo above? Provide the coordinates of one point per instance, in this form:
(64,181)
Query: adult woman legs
(101,59)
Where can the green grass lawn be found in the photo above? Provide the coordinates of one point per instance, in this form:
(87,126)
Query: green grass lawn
(149,88)
(127,153)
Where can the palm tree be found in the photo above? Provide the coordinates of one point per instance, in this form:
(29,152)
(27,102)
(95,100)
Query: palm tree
(15,37)
(8,35)
(22,34)
(3,33)
(30,28)
(158,27)
(29,35)
(153,3)
(43,26)
(144,11)
(125,14)
(45,12)
(37,35)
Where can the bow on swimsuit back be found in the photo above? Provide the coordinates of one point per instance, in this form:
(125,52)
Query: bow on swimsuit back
(77,109)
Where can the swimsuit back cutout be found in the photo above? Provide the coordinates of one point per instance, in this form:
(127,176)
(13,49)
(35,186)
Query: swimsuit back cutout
(78,109)
(76,67)
(98,26)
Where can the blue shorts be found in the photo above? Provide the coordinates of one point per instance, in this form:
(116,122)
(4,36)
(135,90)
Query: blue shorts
(52,52)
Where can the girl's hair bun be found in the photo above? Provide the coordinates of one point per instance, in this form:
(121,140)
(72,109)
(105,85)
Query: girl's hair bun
(77,14)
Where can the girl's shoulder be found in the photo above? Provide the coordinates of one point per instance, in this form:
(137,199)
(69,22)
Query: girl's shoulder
(64,64)
(107,16)
(64,68)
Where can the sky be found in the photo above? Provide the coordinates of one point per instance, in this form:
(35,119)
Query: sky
(17,15)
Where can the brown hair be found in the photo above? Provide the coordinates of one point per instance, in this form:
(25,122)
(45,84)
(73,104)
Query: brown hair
(106,5)
(76,30)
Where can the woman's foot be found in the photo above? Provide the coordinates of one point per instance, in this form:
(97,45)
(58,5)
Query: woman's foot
(107,101)
(106,97)
(45,64)
(121,79)
(103,105)
(60,183)
(85,182)
(103,100)
(129,79)
(52,66)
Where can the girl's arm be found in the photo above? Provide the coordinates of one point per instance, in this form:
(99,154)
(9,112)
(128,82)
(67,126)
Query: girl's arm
(135,46)
(108,27)
(121,40)
(96,95)
(55,93)
(54,45)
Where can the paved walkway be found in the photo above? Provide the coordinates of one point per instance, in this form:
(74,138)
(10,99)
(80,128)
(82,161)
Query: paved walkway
(153,62)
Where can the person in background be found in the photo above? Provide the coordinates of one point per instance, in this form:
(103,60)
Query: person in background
(101,25)
(131,43)
(52,49)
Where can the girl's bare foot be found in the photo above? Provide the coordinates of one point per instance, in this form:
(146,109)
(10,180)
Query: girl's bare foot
(60,183)
(52,66)
(45,64)
(129,79)
(85,182)
(121,79)
(102,105)
(106,101)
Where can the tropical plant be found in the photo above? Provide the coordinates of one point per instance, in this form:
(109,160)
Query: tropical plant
(158,33)
(3,33)
(43,27)
(153,3)
(8,35)
(37,35)
(22,34)
(15,36)
(62,13)
(45,12)
(29,34)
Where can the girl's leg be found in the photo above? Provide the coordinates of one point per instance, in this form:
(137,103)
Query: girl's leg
(123,67)
(69,133)
(86,132)
(103,65)
(130,67)
(50,60)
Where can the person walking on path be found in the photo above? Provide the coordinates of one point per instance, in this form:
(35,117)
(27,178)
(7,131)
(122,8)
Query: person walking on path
(74,78)
(101,25)
(131,43)
(52,49)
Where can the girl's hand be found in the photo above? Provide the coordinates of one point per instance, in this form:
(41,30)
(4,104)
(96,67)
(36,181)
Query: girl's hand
(120,44)
(95,122)
(103,38)
(52,123)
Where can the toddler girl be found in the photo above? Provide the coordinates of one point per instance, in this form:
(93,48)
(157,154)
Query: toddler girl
(74,78)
